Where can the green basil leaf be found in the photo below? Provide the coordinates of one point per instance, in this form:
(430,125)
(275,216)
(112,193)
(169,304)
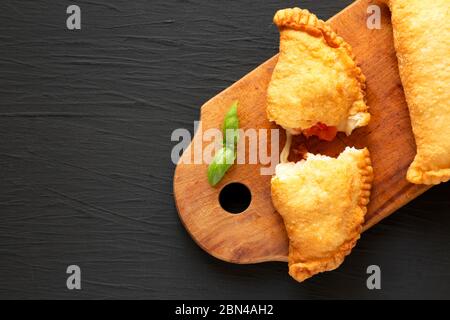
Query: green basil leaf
(222,161)
(231,126)
(226,156)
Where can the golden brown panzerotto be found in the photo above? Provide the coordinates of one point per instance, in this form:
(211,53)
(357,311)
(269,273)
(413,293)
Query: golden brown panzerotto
(316,86)
(323,203)
(422,41)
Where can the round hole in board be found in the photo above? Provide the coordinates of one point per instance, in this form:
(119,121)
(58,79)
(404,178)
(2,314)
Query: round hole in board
(235,197)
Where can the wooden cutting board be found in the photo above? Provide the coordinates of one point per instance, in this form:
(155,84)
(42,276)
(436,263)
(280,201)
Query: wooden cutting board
(258,234)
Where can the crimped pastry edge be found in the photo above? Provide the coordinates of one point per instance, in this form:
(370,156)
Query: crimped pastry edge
(366,172)
(305,21)
(299,271)
(419,175)
(419,172)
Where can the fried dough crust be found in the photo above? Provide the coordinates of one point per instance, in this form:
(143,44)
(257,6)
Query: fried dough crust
(422,42)
(323,202)
(316,79)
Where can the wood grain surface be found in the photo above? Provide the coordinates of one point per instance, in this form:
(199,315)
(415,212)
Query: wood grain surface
(85,170)
(258,234)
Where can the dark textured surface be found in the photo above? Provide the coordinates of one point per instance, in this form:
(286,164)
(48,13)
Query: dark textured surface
(85,170)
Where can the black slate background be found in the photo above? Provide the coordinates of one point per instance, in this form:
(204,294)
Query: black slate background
(85,170)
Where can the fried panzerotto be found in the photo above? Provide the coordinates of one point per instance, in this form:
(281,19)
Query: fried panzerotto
(316,86)
(323,204)
(422,41)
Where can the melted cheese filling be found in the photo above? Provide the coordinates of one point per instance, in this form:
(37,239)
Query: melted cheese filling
(287,148)
(353,122)
(347,125)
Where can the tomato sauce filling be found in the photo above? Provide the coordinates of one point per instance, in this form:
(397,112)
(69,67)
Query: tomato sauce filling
(322,131)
